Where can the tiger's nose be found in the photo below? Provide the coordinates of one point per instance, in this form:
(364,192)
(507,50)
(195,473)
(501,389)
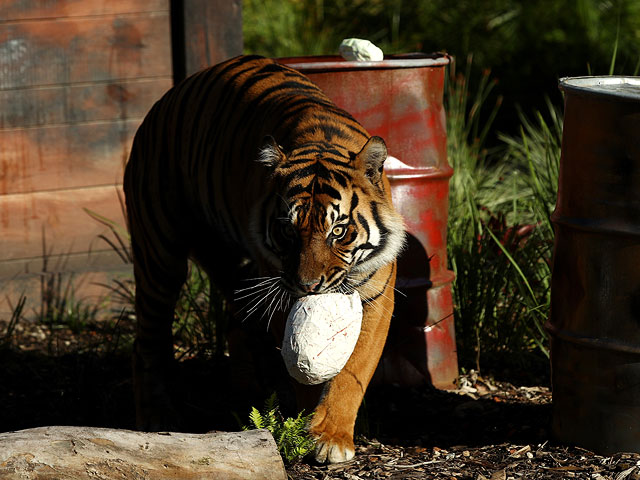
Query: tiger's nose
(312,286)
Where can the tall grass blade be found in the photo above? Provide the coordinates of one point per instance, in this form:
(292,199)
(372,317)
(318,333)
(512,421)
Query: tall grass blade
(615,49)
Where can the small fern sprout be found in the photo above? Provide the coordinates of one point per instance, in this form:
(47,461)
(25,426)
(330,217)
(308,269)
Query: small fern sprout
(291,434)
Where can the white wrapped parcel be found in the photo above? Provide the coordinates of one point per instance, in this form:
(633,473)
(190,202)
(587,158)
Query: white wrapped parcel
(359,50)
(320,335)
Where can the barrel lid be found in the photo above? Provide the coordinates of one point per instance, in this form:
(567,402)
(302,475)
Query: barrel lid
(612,87)
(320,63)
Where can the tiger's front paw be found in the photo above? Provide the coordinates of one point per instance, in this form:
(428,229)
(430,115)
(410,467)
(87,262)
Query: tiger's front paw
(334,440)
(334,450)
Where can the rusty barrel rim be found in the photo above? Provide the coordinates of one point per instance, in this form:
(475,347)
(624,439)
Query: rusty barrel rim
(604,87)
(321,63)
(398,171)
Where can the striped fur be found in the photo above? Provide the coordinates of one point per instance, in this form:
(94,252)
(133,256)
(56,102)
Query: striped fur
(250,160)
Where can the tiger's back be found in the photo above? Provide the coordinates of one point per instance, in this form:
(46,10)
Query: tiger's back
(201,147)
(249,159)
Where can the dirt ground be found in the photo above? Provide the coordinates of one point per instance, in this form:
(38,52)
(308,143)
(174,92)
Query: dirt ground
(486,429)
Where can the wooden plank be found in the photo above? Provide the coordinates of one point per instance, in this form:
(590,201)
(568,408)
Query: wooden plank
(65,156)
(96,260)
(206,32)
(76,78)
(213,32)
(80,102)
(38,9)
(93,49)
(54,223)
(76,283)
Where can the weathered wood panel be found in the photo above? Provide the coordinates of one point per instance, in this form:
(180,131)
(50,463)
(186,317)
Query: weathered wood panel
(64,156)
(56,219)
(76,79)
(213,32)
(93,49)
(38,9)
(77,103)
(205,32)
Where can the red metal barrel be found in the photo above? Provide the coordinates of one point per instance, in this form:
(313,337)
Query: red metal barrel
(595,296)
(400,99)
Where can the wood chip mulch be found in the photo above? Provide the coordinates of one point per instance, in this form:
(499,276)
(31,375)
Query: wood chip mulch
(485,430)
(492,462)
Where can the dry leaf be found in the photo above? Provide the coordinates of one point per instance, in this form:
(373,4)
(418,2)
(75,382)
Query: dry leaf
(625,473)
(515,453)
(499,475)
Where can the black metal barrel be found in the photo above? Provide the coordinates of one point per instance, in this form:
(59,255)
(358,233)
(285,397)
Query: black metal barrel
(595,301)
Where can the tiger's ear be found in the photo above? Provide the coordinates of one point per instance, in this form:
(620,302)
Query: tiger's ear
(270,153)
(371,159)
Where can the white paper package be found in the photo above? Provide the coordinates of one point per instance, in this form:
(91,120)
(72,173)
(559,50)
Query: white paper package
(320,335)
(360,50)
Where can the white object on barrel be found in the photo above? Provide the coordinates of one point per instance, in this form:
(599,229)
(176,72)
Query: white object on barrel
(356,49)
(320,335)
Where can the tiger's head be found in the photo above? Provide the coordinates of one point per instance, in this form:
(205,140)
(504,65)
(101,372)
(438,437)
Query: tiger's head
(329,222)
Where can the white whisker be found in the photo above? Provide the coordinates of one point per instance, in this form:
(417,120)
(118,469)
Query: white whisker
(257,292)
(268,294)
(261,300)
(255,295)
(282,292)
(271,303)
(265,281)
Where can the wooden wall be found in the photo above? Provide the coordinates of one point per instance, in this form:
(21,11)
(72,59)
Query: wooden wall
(76,79)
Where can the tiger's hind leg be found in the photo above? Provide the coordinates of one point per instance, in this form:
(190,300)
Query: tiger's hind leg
(159,274)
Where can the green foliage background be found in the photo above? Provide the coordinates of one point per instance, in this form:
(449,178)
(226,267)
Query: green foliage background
(527,44)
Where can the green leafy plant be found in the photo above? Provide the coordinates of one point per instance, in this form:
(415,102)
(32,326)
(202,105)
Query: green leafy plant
(500,235)
(121,290)
(291,434)
(300,27)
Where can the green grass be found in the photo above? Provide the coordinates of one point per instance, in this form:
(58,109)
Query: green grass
(201,317)
(500,235)
(6,338)
(59,307)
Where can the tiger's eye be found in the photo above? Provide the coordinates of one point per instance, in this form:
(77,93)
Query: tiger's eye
(338,231)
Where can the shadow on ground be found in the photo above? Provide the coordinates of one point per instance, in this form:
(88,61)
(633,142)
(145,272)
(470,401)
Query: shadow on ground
(427,417)
(95,390)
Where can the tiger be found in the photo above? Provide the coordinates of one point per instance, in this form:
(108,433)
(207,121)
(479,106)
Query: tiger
(248,161)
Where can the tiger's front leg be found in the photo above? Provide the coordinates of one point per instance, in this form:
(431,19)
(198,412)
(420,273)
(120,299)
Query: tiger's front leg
(335,415)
